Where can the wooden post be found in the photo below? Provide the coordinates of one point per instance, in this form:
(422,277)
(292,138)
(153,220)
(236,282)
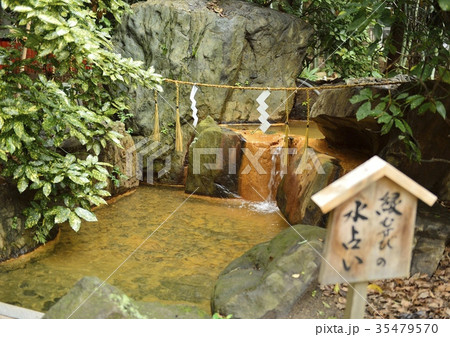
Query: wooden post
(356,300)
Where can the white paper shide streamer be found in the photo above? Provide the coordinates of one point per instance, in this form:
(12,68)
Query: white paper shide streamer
(262,110)
(194,103)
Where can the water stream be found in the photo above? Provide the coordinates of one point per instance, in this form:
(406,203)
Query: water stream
(269,205)
(179,263)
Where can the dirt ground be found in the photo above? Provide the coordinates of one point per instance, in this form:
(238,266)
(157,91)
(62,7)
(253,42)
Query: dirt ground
(420,296)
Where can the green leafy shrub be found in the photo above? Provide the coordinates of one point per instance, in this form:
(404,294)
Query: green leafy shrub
(70,89)
(390,112)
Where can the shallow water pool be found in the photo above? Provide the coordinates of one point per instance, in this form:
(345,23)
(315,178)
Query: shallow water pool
(296,128)
(178,263)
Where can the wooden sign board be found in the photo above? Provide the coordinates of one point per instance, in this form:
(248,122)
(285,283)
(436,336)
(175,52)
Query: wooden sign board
(370,235)
(371,227)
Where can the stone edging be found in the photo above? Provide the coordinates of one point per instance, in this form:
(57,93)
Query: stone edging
(12,311)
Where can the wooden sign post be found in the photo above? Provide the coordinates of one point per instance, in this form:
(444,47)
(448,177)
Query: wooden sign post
(370,229)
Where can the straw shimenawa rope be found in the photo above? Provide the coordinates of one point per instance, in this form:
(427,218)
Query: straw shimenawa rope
(156,135)
(178,134)
(304,158)
(308,116)
(325,87)
(285,154)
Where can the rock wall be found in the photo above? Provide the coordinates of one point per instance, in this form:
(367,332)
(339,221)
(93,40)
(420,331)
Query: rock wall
(15,239)
(335,117)
(238,42)
(432,135)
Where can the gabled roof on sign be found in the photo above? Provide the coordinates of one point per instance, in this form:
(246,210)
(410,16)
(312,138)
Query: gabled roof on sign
(367,173)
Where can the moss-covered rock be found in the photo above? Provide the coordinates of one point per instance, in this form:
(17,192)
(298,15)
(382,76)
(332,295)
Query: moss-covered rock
(269,278)
(89,298)
(188,40)
(212,166)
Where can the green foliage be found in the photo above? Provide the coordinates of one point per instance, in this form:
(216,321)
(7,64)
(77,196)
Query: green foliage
(219,316)
(348,35)
(342,37)
(390,112)
(444,4)
(168,129)
(417,45)
(309,74)
(117,176)
(70,89)
(340,34)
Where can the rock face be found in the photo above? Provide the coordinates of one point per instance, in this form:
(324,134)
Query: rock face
(110,302)
(297,186)
(335,117)
(196,41)
(260,171)
(117,157)
(112,154)
(432,134)
(214,160)
(299,110)
(426,255)
(269,278)
(15,239)
(432,235)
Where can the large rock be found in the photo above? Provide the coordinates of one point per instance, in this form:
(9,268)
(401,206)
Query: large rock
(335,117)
(15,239)
(212,166)
(432,136)
(196,41)
(118,158)
(300,183)
(432,234)
(267,280)
(426,256)
(433,222)
(89,299)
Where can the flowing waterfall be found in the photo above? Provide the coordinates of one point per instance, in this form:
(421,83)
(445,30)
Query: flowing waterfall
(269,205)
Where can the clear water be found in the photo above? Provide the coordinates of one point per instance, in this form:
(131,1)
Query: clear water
(179,263)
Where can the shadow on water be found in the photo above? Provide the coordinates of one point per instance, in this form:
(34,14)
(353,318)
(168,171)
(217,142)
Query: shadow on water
(179,263)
